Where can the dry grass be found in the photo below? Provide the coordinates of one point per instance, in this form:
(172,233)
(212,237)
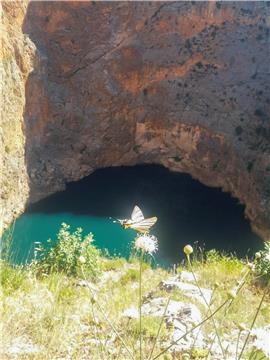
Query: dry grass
(58,318)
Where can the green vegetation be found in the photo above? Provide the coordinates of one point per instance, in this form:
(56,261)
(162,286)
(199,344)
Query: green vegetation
(262,262)
(71,303)
(69,252)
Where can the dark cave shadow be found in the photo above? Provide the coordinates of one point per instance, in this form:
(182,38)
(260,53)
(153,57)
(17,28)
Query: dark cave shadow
(187,210)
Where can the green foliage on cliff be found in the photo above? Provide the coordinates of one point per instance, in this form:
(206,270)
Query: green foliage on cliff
(67,254)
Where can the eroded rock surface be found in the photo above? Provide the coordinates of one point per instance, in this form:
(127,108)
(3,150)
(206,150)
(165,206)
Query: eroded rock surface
(17,53)
(183,84)
(200,294)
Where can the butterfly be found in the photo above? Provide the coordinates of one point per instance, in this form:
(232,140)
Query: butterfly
(137,221)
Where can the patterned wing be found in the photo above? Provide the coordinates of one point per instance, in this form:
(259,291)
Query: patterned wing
(144,225)
(137,214)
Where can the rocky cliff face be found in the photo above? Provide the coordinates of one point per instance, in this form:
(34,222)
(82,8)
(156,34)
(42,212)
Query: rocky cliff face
(183,84)
(17,54)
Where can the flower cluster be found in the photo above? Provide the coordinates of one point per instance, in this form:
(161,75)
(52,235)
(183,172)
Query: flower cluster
(147,243)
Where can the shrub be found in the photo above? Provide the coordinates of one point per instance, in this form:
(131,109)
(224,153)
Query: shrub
(262,262)
(71,254)
(112,263)
(130,275)
(11,277)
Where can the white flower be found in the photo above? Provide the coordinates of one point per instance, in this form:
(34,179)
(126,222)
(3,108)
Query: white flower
(131,313)
(82,260)
(268,256)
(147,243)
(89,238)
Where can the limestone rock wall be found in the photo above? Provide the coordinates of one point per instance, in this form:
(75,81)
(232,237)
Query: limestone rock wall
(17,53)
(183,84)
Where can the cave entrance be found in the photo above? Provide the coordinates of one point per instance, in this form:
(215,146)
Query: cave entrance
(187,212)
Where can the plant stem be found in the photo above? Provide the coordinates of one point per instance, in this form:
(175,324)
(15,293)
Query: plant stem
(210,303)
(107,319)
(97,336)
(160,325)
(237,344)
(254,319)
(121,346)
(140,302)
(208,306)
(241,284)
(191,330)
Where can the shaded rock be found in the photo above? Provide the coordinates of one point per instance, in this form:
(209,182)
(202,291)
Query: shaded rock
(181,317)
(176,309)
(87,284)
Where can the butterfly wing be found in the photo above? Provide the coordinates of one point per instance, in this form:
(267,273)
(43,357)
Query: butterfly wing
(137,214)
(144,225)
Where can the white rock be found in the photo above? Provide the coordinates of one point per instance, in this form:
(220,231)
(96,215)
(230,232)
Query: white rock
(188,313)
(181,316)
(261,339)
(22,346)
(131,313)
(188,276)
(202,295)
(229,344)
(111,275)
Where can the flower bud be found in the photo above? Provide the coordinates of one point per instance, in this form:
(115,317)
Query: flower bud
(241,327)
(258,255)
(251,266)
(188,249)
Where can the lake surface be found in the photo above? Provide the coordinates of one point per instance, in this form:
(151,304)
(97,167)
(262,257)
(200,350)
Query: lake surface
(187,212)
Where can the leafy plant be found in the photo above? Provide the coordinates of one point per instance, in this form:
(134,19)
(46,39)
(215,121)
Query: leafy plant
(262,262)
(71,253)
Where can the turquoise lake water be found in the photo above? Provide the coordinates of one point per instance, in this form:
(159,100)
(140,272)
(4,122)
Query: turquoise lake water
(187,212)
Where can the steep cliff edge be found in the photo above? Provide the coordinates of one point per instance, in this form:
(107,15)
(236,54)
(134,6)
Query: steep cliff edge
(17,54)
(183,84)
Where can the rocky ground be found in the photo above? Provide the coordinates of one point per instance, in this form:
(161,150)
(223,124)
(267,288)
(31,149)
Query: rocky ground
(179,317)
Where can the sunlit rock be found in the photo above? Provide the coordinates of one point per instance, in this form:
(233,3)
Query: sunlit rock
(182,84)
(193,291)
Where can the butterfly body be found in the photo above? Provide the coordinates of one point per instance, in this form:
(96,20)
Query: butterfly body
(138,222)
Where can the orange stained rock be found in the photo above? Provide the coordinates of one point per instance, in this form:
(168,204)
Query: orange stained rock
(147,74)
